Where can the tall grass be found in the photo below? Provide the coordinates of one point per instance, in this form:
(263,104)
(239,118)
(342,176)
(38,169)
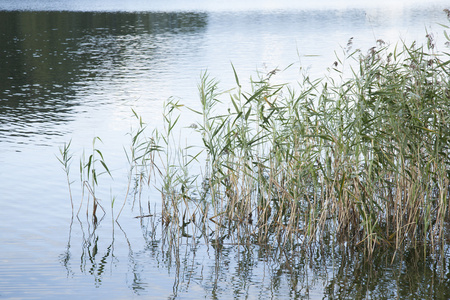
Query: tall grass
(364,158)
(360,156)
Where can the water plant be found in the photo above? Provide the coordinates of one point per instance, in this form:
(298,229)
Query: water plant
(140,156)
(89,177)
(66,160)
(361,155)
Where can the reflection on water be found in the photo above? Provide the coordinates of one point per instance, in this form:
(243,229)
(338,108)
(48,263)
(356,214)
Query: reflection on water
(242,271)
(51,59)
(58,64)
(67,75)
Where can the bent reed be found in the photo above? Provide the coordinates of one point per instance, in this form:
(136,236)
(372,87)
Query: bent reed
(363,161)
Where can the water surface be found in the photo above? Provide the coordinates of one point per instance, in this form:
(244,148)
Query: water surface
(74,70)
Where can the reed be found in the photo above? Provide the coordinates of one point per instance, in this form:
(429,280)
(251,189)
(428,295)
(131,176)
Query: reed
(89,174)
(360,156)
(140,156)
(65,159)
(364,158)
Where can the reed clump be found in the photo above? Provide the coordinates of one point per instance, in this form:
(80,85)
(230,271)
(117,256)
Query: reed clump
(359,157)
(364,159)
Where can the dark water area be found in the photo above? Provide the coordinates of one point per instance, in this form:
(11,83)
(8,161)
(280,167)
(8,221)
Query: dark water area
(75,71)
(48,57)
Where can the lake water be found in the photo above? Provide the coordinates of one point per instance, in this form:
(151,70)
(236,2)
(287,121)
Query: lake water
(74,70)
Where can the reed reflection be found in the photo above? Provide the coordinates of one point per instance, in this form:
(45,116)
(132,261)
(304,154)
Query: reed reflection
(239,270)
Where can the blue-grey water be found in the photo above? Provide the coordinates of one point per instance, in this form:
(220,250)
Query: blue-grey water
(74,70)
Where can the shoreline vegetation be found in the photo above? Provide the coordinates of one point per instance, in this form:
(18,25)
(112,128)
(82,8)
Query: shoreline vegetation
(362,162)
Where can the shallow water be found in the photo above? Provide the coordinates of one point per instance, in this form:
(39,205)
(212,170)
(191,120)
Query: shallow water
(74,70)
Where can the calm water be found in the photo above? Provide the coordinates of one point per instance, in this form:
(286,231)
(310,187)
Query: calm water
(75,69)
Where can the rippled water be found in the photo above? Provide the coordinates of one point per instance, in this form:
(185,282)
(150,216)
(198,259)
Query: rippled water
(73,70)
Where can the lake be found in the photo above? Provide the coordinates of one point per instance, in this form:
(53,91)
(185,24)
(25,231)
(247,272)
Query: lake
(73,71)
